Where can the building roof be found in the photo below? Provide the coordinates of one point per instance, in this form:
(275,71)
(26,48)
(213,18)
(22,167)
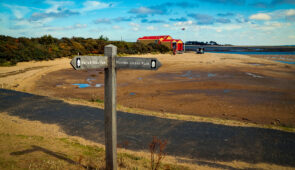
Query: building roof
(161,38)
(154,37)
(173,40)
(177,40)
(168,40)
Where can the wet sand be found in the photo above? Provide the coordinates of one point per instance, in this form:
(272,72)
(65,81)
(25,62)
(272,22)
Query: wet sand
(228,86)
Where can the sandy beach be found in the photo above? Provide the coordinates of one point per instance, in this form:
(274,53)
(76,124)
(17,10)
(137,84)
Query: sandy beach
(212,101)
(250,89)
(253,89)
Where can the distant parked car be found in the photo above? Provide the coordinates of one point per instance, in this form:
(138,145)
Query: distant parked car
(200,50)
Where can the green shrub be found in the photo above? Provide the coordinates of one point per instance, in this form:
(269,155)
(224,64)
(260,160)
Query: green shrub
(13,50)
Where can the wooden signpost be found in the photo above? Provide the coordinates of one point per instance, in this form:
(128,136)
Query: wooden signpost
(110,62)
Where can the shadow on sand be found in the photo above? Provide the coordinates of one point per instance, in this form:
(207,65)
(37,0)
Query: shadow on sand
(204,141)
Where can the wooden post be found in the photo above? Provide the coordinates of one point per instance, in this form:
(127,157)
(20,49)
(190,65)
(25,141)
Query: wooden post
(110,115)
(110,62)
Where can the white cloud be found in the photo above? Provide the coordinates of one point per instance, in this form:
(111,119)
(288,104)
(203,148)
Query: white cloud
(78,26)
(94,5)
(218,28)
(186,23)
(277,14)
(134,26)
(274,24)
(144,10)
(59,3)
(116,27)
(18,11)
(102,21)
(151,28)
(57,9)
(166,25)
(271,26)
(66,28)
(24,23)
(231,27)
(260,16)
(56,5)
(290,12)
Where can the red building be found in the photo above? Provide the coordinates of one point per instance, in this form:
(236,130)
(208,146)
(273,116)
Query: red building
(166,40)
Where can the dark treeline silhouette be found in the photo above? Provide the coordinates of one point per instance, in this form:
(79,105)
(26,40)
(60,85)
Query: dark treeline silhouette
(13,50)
(201,43)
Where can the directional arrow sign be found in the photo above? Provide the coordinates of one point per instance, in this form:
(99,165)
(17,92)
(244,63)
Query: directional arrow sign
(137,63)
(89,62)
(94,62)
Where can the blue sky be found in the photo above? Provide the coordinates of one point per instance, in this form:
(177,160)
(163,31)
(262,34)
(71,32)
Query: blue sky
(239,22)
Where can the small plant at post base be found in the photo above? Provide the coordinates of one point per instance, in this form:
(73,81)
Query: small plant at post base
(157,147)
(121,158)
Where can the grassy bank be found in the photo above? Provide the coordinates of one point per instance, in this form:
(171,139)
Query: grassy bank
(24,146)
(37,152)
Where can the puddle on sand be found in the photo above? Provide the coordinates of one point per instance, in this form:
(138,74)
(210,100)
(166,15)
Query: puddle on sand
(206,91)
(82,85)
(279,58)
(226,91)
(211,75)
(190,75)
(285,62)
(90,83)
(256,64)
(89,80)
(98,85)
(87,85)
(132,93)
(139,78)
(254,75)
(237,95)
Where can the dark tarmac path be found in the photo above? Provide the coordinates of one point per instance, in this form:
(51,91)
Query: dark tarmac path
(202,141)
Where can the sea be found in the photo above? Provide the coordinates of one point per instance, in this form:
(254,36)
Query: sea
(280,52)
(257,53)
(248,50)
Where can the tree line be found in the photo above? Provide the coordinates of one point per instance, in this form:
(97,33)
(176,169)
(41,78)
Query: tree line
(201,43)
(13,50)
